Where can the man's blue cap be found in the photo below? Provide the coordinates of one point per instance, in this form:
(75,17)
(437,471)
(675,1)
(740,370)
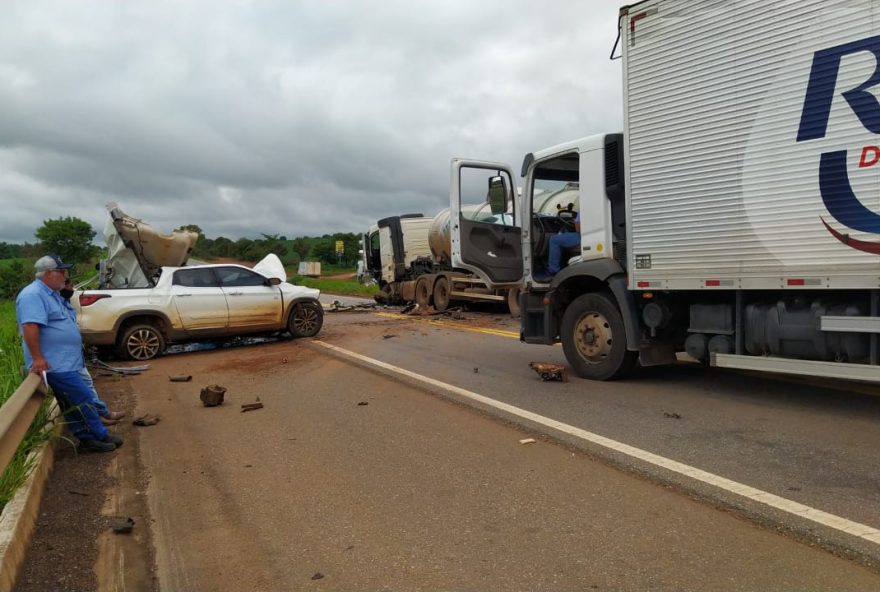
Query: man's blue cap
(50,262)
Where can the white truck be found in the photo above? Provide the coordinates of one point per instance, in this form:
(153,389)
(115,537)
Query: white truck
(735,218)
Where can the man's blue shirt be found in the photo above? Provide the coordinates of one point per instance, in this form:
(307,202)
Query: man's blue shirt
(60,339)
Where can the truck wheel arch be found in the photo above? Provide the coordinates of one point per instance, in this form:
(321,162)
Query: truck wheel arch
(597,275)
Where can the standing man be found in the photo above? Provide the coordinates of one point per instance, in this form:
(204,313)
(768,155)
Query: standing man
(53,345)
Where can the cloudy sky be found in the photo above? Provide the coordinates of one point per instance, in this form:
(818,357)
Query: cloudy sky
(283,116)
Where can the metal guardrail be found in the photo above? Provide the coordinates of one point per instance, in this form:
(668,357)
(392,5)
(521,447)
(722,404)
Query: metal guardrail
(17,414)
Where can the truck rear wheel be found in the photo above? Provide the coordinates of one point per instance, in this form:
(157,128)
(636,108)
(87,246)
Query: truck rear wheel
(513,302)
(141,341)
(423,293)
(306,319)
(441,294)
(594,339)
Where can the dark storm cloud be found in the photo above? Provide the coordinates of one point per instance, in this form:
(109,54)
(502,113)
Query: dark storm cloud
(278,117)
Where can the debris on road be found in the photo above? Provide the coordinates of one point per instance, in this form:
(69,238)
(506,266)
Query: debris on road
(122,525)
(99,365)
(671,415)
(180,378)
(146,420)
(527,441)
(82,493)
(318,576)
(212,395)
(337,306)
(388,336)
(550,371)
(362,403)
(251,407)
(476,370)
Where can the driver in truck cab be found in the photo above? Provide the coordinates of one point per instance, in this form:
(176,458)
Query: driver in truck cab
(560,243)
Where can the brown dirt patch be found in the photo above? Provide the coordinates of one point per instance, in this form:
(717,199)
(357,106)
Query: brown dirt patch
(64,550)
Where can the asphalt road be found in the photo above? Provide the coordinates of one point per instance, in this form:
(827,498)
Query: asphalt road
(411,491)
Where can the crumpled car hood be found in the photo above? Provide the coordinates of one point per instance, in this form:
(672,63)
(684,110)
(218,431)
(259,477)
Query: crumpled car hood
(271,267)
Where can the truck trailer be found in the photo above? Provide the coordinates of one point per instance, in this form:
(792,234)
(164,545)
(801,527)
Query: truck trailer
(735,219)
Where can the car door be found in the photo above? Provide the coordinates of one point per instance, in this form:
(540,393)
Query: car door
(199,299)
(486,238)
(253,303)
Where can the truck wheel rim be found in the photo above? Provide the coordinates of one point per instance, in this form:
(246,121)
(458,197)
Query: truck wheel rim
(143,344)
(593,337)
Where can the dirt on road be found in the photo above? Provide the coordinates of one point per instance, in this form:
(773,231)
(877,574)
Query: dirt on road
(347,480)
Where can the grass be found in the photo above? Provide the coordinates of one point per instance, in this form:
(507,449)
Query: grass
(336,286)
(11,361)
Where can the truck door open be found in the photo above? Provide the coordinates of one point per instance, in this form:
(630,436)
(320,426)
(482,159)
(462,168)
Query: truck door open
(485,233)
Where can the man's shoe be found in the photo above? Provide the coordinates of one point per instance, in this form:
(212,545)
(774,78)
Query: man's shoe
(96,446)
(107,421)
(542,276)
(114,439)
(115,415)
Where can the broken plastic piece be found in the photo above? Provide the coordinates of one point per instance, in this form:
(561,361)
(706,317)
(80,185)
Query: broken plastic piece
(212,395)
(550,371)
(251,407)
(146,420)
(180,378)
(122,525)
(527,441)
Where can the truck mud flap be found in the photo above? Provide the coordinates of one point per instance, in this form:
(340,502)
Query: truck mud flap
(537,323)
(628,310)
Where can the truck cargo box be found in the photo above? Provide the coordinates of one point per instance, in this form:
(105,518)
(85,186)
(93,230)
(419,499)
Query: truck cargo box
(751,144)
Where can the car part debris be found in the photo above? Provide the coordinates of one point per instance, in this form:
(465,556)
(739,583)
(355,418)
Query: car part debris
(550,371)
(146,420)
(99,365)
(212,395)
(251,407)
(122,525)
(388,336)
(362,403)
(671,415)
(318,576)
(527,441)
(338,306)
(180,378)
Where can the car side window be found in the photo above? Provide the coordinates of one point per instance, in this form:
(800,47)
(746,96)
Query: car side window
(195,278)
(234,277)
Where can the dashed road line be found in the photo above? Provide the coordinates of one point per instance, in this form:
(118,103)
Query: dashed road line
(858,530)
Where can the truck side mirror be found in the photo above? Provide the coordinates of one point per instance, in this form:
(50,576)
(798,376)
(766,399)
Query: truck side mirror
(497,194)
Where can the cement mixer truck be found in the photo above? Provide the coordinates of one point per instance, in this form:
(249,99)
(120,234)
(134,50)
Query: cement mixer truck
(410,258)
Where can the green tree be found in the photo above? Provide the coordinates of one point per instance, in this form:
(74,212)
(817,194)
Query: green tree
(301,247)
(69,238)
(13,278)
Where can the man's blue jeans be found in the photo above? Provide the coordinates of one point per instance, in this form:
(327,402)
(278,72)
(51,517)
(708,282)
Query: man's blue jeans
(99,405)
(558,243)
(75,400)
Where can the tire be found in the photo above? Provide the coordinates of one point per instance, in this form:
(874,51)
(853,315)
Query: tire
(423,293)
(306,319)
(441,294)
(513,302)
(594,338)
(141,341)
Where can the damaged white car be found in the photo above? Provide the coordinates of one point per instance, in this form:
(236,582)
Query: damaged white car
(148,298)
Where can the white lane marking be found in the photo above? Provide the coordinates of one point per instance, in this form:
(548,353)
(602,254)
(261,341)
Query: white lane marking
(855,529)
